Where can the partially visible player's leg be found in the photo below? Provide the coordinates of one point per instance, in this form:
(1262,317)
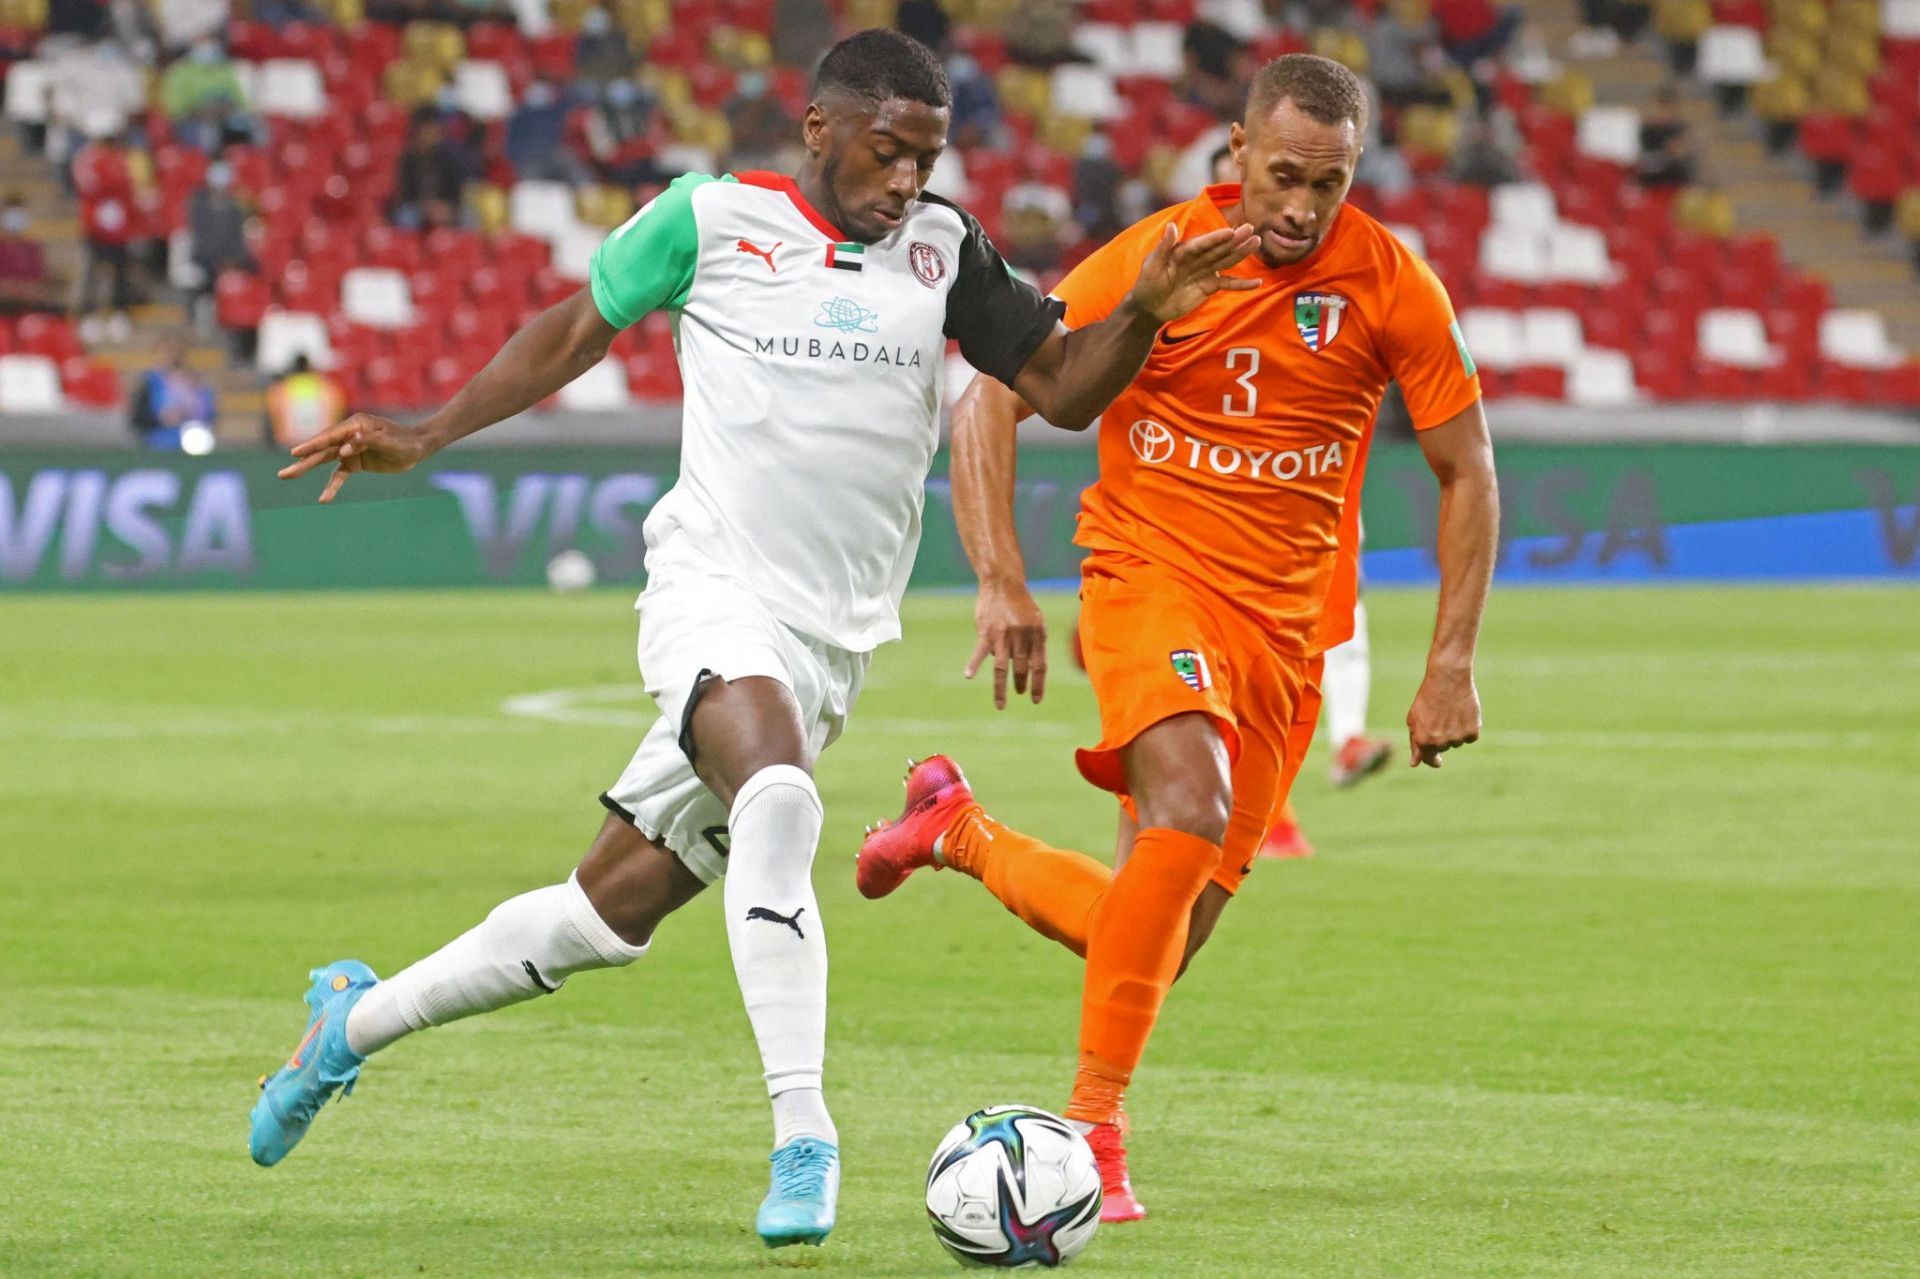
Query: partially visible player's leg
(601,917)
(1347,684)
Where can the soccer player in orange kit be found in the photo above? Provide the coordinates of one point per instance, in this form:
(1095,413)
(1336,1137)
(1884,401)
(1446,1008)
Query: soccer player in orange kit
(1222,538)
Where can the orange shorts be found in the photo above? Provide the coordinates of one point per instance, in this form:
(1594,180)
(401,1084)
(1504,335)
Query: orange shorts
(1155,647)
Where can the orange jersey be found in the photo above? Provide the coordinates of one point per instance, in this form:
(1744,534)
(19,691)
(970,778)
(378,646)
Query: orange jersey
(1231,458)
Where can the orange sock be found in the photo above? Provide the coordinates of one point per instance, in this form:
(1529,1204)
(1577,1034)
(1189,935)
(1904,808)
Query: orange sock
(1054,891)
(1133,954)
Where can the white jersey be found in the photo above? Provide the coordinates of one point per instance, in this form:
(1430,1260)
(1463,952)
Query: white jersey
(813,369)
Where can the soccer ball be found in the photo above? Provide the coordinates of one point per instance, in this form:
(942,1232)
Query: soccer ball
(570,570)
(1013,1186)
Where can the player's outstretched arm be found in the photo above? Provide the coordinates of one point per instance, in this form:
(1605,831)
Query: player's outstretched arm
(556,347)
(1010,627)
(1446,710)
(1072,377)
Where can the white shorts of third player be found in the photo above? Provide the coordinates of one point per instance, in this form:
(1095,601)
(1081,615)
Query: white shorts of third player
(694,623)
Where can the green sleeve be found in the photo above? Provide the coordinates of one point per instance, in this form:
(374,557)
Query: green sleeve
(647,263)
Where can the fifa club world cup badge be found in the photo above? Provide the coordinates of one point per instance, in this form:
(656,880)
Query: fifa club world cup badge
(1191,667)
(1317,315)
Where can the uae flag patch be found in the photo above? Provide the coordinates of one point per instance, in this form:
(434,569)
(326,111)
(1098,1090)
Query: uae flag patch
(846,257)
(1191,667)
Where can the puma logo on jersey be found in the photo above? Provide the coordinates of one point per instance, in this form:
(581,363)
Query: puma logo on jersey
(775,917)
(748,246)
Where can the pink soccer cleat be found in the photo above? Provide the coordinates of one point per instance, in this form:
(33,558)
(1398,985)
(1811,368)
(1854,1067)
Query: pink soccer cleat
(1358,759)
(1116,1190)
(937,791)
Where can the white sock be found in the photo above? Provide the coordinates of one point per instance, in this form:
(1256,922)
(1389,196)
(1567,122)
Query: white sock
(1345,683)
(528,946)
(802,1112)
(773,927)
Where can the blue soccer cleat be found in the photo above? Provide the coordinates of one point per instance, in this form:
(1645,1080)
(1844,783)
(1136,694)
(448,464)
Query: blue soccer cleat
(319,1067)
(806,1188)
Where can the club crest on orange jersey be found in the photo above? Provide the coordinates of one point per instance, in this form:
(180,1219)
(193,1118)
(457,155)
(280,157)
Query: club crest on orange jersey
(1317,315)
(1191,667)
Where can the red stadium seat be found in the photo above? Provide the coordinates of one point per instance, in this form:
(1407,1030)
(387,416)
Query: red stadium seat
(88,383)
(239,300)
(45,334)
(392,247)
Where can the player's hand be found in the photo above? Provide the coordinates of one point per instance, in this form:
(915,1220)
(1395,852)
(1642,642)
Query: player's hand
(1181,274)
(1013,631)
(1445,714)
(361,443)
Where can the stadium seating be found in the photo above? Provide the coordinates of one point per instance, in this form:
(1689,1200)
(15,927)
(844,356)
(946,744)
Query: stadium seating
(1577,283)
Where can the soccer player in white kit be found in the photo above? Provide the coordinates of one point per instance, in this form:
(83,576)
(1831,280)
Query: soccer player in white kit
(811,319)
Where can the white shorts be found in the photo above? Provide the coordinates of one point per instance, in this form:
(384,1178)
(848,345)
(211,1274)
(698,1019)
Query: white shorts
(695,626)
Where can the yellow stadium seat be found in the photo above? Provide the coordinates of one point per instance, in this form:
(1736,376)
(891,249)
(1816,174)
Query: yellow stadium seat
(756,50)
(1856,17)
(1066,134)
(1344,47)
(1410,12)
(1429,131)
(861,14)
(567,14)
(488,206)
(410,84)
(1024,91)
(671,87)
(1854,55)
(1796,55)
(1570,93)
(1807,17)
(1682,21)
(1841,94)
(1705,211)
(1906,214)
(1781,100)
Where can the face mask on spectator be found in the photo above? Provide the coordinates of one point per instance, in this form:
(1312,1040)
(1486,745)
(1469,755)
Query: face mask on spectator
(206,51)
(539,95)
(596,22)
(619,93)
(219,177)
(447,99)
(14,221)
(752,84)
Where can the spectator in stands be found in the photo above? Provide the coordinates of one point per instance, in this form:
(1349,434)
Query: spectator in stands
(762,132)
(1480,158)
(1530,59)
(431,176)
(1097,179)
(216,234)
(621,134)
(103,179)
(216,125)
(24,284)
(926,21)
(171,399)
(536,136)
(204,76)
(281,13)
(182,23)
(802,32)
(1402,47)
(602,53)
(303,403)
(1473,30)
(976,103)
(1666,143)
(92,92)
(1215,74)
(1038,219)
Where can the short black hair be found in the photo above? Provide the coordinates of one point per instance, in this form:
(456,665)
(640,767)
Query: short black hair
(1323,89)
(878,64)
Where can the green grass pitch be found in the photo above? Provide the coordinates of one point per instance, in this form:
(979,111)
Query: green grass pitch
(1630,988)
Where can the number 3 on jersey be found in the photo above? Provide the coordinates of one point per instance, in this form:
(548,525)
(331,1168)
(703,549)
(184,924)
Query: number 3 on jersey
(1245,380)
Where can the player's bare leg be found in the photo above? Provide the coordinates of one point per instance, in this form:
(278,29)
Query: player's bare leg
(750,747)
(601,917)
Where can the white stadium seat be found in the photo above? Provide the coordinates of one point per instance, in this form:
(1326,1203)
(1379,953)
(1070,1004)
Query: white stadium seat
(1736,336)
(1858,338)
(573,251)
(1551,335)
(1085,91)
(1732,55)
(600,388)
(377,296)
(1524,206)
(285,334)
(1243,19)
(1107,44)
(30,384)
(1609,133)
(544,209)
(1158,51)
(1410,236)
(289,87)
(1494,336)
(1900,19)
(1509,253)
(482,90)
(1601,379)
(1578,254)
(949,180)
(27,92)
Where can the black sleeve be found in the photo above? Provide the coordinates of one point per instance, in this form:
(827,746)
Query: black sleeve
(998,320)
(142,417)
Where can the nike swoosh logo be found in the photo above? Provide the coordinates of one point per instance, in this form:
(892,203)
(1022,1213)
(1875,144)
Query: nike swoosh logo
(1167,338)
